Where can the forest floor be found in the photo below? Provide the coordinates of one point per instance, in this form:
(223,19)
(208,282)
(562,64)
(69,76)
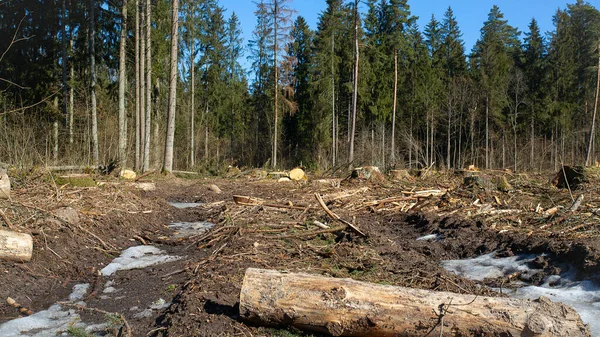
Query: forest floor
(78,231)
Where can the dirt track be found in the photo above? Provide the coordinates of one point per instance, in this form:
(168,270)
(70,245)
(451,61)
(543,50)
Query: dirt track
(204,285)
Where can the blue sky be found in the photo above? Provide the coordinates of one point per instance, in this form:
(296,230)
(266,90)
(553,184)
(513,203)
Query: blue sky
(470,14)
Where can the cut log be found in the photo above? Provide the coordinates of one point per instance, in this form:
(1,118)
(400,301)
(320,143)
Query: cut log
(4,185)
(128,174)
(344,307)
(297,174)
(15,246)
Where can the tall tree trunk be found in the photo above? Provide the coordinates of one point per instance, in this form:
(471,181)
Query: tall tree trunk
(592,132)
(355,90)
(55,139)
(94,116)
(276,68)
(515,132)
(148,115)
(122,84)
(393,154)
(333,135)
(71,95)
(487,131)
(193,107)
(138,131)
(65,85)
(142,85)
(448,137)
(531,155)
(168,162)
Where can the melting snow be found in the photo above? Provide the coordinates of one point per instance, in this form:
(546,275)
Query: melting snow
(136,258)
(47,323)
(584,296)
(182,205)
(433,237)
(187,229)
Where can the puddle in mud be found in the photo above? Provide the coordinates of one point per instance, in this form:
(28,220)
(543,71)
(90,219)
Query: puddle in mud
(187,229)
(183,205)
(584,295)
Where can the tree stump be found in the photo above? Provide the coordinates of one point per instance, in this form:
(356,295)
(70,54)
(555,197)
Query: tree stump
(15,246)
(345,307)
(570,177)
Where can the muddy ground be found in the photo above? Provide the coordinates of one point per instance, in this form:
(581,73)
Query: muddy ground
(79,230)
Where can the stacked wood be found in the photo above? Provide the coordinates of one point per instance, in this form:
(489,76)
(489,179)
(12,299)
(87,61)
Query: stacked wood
(344,307)
(15,246)
(4,185)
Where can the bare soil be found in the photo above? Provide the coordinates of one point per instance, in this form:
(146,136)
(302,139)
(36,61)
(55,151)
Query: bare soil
(203,287)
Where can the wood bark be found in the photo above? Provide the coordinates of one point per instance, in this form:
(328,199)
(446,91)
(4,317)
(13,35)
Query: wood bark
(192,96)
(168,160)
(345,307)
(15,246)
(94,115)
(71,94)
(148,114)
(122,154)
(137,86)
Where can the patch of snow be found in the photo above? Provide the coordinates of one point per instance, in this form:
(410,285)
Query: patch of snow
(79,291)
(488,266)
(160,304)
(46,323)
(584,296)
(183,205)
(109,290)
(187,229)
(432,237)
(144,314)
(136,258)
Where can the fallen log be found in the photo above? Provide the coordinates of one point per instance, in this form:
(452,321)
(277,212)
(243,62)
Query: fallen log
(15,246)
(344,307)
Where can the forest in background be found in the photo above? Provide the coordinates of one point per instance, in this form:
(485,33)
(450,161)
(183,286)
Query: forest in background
(93,82)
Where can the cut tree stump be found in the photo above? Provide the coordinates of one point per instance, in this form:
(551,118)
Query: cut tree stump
(4,185)
(15,246)
(367,173)
(570,177)
(344,307)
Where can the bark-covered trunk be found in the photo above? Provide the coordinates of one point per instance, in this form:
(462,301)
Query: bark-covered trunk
(142,86)
(148,115)
(355,90)
(168,160)
(192,107)
(138,130)
(393,146)
(589,156)
(276,68)
(345,307)
(94,116)
(122,84)
(71,94)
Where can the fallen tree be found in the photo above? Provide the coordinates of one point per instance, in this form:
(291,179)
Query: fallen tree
(344,307)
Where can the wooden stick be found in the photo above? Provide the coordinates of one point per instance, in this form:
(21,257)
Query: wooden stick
(8,223)
(337,217)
